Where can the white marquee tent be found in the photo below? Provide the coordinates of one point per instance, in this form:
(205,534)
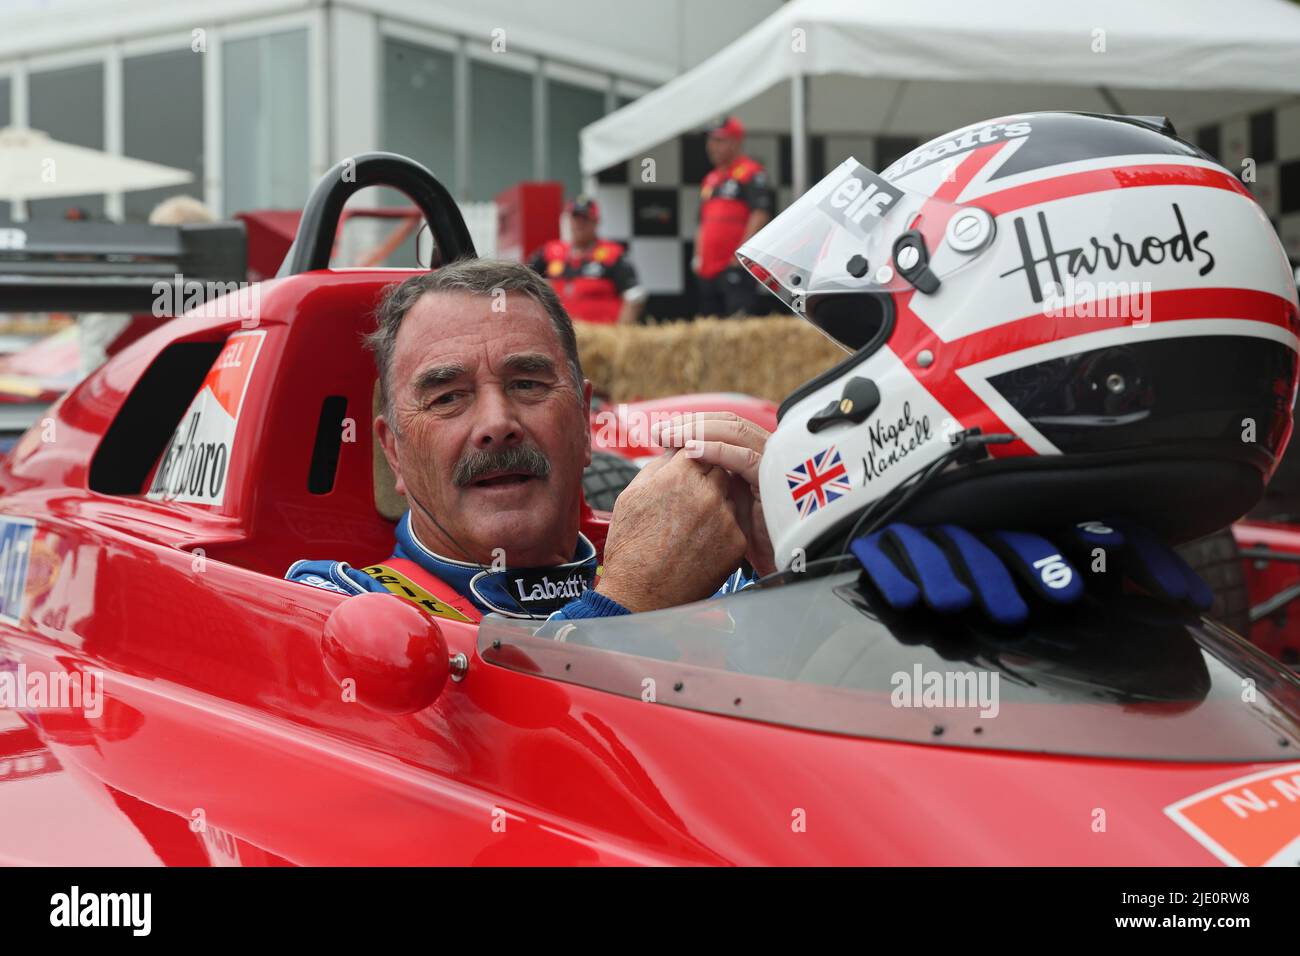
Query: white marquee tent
(924,66)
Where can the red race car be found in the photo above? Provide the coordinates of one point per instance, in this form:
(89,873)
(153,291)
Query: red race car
(172,699)
(1254,567)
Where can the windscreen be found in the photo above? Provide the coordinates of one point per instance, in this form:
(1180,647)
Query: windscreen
(1119,676)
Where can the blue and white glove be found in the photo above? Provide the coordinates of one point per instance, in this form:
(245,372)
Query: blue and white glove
(1120,550)
(952,570)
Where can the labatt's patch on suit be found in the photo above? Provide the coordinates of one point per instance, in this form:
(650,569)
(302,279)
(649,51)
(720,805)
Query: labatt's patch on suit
(197,460)
(545,592)
(537,592)
(860,200)
(398,583)
(1249,821)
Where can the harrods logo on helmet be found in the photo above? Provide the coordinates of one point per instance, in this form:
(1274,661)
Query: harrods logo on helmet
(1112,253)
(860,200)
(971,138)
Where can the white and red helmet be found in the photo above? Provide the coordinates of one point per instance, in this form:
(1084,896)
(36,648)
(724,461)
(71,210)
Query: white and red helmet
(1101,293)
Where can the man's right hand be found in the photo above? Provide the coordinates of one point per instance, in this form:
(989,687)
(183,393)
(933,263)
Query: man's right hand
(674,537)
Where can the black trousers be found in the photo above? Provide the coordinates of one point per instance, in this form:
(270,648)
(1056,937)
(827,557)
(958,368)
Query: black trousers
(732,291)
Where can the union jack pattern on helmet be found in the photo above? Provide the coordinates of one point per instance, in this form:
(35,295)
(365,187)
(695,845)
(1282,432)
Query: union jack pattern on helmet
(817,481)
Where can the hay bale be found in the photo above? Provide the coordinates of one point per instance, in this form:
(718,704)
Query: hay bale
(764,357)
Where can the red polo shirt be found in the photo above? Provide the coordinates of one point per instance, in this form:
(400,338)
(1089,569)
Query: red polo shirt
(727,197)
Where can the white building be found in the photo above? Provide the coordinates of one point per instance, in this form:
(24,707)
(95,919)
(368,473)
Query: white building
(259,97)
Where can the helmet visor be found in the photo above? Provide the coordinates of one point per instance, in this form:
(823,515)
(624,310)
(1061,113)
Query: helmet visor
(854,232)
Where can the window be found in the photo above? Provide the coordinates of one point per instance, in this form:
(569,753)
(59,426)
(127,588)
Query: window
(266,106)
(144,424)
(501,129)
(162,121)
(418,104)
(68,104)
(569,108)
(417,120)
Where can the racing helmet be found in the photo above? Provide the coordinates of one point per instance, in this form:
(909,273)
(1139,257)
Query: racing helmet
(1050,317)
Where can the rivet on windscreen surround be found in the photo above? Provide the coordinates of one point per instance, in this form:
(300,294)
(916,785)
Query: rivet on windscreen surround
(925,358)
(970,230)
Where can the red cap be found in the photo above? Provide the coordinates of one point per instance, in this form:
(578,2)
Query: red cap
(583,206)
(728,128)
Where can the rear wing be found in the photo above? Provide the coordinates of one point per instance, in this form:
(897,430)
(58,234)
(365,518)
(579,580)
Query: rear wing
(111,267)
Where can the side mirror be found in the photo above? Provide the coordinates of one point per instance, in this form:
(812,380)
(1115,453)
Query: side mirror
(393,652)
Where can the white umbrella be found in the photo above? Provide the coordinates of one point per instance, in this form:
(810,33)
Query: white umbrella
(33,166)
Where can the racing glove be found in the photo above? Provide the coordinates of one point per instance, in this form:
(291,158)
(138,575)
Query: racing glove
(1118,550)
(951,570)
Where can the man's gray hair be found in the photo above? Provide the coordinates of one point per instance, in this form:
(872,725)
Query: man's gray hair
(487,277)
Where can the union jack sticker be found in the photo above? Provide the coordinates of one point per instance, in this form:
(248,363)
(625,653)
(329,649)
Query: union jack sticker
(817,481)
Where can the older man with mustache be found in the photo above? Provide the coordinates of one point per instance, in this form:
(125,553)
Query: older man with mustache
(485,426)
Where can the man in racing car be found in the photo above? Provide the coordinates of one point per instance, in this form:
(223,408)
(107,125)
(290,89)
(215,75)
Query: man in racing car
(485,425)
(593,277)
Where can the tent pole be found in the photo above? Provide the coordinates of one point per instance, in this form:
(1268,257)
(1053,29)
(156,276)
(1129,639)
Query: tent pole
(799,133)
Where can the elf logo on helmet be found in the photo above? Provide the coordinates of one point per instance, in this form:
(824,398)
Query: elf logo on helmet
(1054,572)
(860,200)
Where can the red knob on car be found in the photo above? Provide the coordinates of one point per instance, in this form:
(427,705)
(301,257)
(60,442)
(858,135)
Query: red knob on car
(393,652)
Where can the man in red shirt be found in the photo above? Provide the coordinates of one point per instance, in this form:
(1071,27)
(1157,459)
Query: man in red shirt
(592,276)
(736,200)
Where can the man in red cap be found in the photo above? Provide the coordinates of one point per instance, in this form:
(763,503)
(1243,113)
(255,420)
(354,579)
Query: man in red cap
(592,276)
(736,200)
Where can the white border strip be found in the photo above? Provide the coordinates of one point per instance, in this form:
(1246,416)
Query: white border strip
(1174,810)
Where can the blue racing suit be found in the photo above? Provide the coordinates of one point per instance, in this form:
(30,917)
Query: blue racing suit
(560,592)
